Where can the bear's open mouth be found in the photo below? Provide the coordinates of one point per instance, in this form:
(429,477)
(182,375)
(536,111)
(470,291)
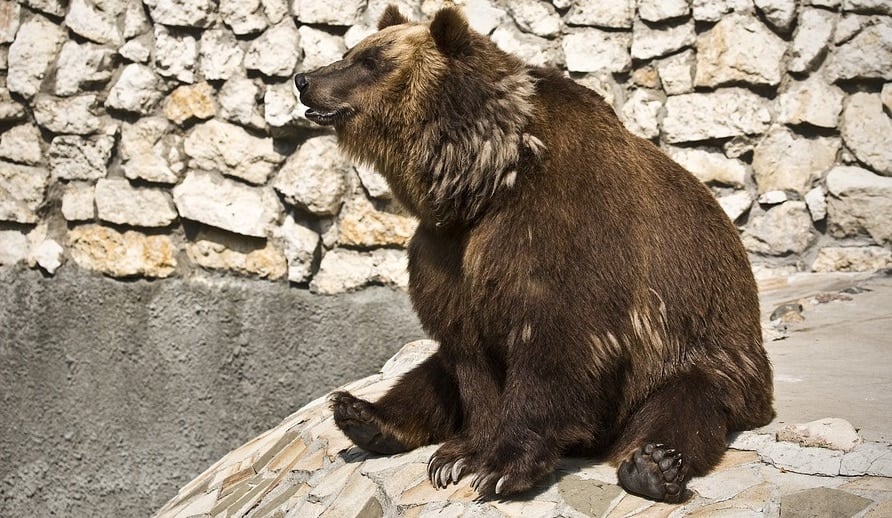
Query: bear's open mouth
(323,118)
(329,117)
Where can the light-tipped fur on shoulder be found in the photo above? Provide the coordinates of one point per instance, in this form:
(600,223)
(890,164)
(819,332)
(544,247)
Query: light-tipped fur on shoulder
(464,128)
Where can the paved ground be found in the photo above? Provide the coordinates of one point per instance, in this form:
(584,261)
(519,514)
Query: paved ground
(837,361)
(832,353)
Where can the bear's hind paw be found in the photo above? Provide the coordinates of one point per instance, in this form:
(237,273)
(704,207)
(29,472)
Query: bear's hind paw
(655,472)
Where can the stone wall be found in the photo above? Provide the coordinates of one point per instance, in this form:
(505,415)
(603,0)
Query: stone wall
(162,138)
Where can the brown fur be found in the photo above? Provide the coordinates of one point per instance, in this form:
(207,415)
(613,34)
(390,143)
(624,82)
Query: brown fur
(588,294)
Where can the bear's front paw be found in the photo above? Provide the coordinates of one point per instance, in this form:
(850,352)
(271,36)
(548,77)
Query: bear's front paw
(359,421)
(511,469)
(455,458)
(655,472)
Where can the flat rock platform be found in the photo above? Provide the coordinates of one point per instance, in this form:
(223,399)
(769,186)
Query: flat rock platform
(827,453)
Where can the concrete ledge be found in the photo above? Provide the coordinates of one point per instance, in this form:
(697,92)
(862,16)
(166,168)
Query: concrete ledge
(115,393)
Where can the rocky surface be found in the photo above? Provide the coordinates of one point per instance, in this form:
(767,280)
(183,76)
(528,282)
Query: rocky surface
(192,101)
(119,202)
(72,157)
(306,467)
(859,202)
(727,112)
(347,270)
(227,204)
(150,151)
(22,144)
(72,115)
(81,65)
(127,254)
(216,249)
(867,131)
(315,177)
(811,101)
(301,246)
(648,43)
(736,204)
(739,48)
(231,150)
(786,161)
(138,90)
(31,53)
(22,191)
(782,229)
(592,50)
(852,259)
(710,167)
(811,40)
(867,55)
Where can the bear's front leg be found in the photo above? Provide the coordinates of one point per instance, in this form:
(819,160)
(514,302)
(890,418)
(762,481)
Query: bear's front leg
(422,408)
(548,405)
(366,424)
(526,446)
(520,458)
(480,390)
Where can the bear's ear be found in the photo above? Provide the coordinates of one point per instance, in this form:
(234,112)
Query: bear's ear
(391,16)
(450,31)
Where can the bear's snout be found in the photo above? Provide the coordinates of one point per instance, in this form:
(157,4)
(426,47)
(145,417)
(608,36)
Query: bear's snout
(301,82)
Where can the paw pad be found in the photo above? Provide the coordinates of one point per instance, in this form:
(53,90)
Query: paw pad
(656,472)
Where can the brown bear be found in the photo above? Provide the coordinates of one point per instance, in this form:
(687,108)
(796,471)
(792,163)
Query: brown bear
(588,294)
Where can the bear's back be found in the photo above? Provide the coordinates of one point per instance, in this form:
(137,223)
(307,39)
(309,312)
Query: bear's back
(625,215)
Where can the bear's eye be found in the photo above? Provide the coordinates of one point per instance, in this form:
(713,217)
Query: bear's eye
(369,62)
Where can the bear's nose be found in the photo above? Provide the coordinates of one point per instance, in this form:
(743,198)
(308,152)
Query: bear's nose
(301,82)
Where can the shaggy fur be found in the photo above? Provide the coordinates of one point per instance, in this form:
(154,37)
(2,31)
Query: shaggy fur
(588,294)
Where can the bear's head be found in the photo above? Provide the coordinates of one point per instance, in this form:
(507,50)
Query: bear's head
(437,108)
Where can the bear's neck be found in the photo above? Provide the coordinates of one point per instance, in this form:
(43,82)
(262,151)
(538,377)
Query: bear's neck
(474,154)
(469,143)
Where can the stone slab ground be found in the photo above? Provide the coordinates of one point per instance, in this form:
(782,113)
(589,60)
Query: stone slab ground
(829,337)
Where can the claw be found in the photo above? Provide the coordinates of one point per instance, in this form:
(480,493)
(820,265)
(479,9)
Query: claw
(483,483)
(499,485)
(457,469)
(443,476)
(431,469)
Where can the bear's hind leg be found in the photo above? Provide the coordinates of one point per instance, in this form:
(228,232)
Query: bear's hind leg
(677,433)
(422,408)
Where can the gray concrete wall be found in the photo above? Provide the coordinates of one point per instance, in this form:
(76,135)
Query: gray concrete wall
(114,394)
